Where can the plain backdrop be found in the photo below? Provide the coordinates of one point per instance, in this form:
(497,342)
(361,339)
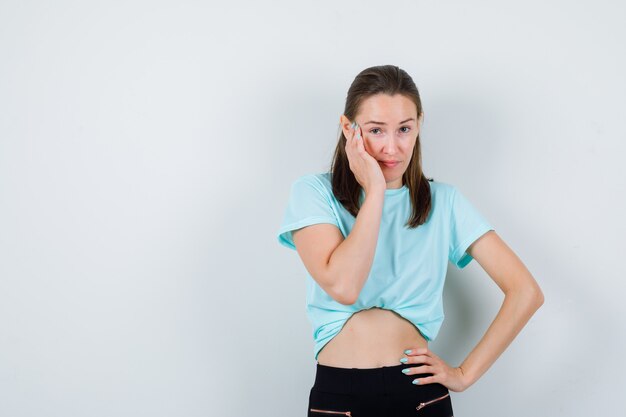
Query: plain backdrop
(146,154)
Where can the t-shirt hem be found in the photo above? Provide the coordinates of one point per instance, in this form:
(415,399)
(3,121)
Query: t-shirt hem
(460,257)
(284,233)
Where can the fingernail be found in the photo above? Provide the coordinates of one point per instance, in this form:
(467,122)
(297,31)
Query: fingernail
(416,381)
(406,370)
(407,351)
(403,360)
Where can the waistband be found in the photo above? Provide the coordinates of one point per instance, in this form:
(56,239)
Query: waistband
(381,380)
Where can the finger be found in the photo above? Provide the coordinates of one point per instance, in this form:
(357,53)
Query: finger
(411,360)
(428,351)
(420,359)
(414,370)
(360,144)
(356,134)
(416,351)
(352,135)
(349,138)
(432,354)
(426,380)
(353,127)
(425,352)
(359,137)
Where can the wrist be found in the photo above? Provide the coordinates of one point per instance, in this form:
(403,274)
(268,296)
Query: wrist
(375,189)
(467,379)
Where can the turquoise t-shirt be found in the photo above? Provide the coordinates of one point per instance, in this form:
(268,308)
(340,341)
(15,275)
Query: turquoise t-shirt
(409,267)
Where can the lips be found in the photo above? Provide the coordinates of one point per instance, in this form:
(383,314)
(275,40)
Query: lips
(390,163)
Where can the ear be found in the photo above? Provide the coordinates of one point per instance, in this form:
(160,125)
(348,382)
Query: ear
(346,125)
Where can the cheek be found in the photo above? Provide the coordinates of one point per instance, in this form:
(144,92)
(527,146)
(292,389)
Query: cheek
(407,149)
(371,146)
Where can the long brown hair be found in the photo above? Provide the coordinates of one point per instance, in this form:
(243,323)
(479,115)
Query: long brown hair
(387,79)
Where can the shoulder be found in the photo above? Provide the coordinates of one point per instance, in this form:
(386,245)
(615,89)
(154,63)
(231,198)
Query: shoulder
(320,179)
(442,191)
(320,182)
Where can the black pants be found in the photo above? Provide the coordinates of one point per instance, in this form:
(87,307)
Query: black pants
(375,392)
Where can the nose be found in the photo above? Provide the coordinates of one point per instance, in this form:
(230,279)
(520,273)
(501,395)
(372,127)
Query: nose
(390,146)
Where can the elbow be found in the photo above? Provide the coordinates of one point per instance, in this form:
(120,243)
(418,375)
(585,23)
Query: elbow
(346,298)
(530,295)
(343,295)
(536,295)
(340,288)
(346,301)
(539,298)
(533,296)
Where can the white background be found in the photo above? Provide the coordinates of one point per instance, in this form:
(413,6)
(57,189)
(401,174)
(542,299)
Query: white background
(146,154)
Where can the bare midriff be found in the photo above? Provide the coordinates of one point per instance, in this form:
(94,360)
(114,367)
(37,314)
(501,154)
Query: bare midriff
(370,339)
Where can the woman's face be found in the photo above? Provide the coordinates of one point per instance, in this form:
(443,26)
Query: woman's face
(390,127)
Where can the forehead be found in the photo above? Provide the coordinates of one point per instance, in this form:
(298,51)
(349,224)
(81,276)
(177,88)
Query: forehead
(384,107)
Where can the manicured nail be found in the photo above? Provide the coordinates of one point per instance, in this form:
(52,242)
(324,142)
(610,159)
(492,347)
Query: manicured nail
(407,351)
(403,360)
(416,381)
(406,370)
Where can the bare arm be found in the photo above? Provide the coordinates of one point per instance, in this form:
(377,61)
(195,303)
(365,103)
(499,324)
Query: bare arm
(352,261)
(341,266)
(522,298)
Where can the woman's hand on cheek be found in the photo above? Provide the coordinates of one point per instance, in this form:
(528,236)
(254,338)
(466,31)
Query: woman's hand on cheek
(364,166)
(429,363)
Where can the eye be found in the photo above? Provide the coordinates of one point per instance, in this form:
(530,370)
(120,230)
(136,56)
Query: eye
(406,127)
(372,130)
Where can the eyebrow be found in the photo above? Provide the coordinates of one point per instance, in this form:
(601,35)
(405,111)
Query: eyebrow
(383,123)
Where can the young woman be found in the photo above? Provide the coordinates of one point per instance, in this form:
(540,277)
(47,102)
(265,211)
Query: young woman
(375,236)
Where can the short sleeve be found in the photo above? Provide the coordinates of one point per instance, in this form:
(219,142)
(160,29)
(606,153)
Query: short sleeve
(309,203)
(467,224)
